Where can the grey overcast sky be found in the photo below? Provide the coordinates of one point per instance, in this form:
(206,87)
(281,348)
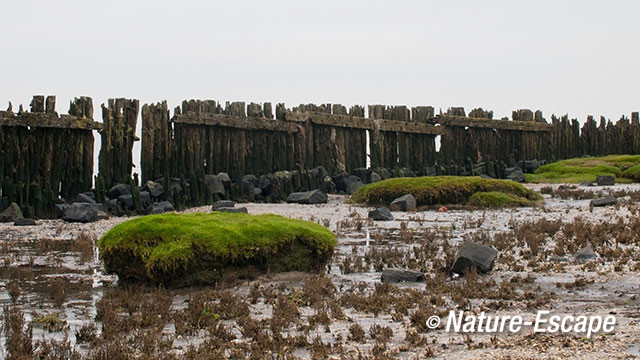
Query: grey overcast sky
(577,57)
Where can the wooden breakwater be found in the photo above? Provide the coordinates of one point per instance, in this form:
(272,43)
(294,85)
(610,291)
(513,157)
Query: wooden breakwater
(46,156)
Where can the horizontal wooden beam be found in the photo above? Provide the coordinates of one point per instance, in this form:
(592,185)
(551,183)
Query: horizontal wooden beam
(247,123)
(356,122)
(47,120)
(448,120)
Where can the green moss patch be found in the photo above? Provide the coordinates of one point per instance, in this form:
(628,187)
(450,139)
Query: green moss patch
(191,249)
(435,190)
(496,199)
(626,168)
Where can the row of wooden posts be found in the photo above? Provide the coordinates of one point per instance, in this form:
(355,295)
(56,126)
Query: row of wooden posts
(45,155)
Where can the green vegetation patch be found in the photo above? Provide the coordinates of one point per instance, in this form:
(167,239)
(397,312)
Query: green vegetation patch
(496,199)
(199,248)
(435,190)
(626,168)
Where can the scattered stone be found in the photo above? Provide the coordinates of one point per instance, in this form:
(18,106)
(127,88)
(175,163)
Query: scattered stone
(233,210)
(585,253)
(155,189)
(118,190)
(404,203)
(214,184)
(381,214)
(606,180)
(80,212)
(485,176)
(161,207)
(24,222)
(400,275)
(514,174)
(352,184)
(328,184)
(308,197)
(126,201)
(473,254)
(11,214)
(586,183)
(604,201)
(85,198)
(223,204)
(101,215)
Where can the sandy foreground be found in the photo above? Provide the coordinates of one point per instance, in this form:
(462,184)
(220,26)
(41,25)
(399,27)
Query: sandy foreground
(530,274)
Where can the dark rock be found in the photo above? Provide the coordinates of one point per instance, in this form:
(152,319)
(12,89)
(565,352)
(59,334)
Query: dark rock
(84,198)
(4,203)
(604,201)
(430,171)
(250,178)
(11,213)
(265,185)
(154,188)
(585,253)
(160,207)
(176,187)
(118,190)
(24,222)
(473,254)
(400,275)
(363,173)
(383,172)
(223,204)
(234,210)
(515,174)
(257,193)
(606,180)
(319,172)
(403,203)
(145,198)
(101,215)
(404,172)
(328,185)
(381,214)
(352,184)
(226,180)
(126,201)
(308,197)
(80,212)
(214,184)
(60,209)
(586,183)
(111,204)
(339,180)
(530,166)
(375,177)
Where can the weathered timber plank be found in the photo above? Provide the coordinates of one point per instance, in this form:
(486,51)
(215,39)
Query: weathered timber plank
(48,120)
(245,123)
(449,120)
(365,123)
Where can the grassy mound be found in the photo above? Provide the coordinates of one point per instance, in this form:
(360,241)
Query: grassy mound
(190,249)
(434,190)
(625,168)
(496,199)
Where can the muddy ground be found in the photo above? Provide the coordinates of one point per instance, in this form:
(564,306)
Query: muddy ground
(56,300)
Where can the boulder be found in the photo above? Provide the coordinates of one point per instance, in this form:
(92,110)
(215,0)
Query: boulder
(339,180)
(381,214)
(430,171)
(585,253)
(101,215)
(586,183)
(328,185)
(265,185)
(308,197)
(80,212)
(11,214)
(24,222)
(606,180)
(223,204)
(476,255)
(160,207)
(126,201)
(401,275)
(319,172)
(86,197)
(226,180)
(352,183)
(383,172)
(111,204)
(404,172)
(403,203)
(118,190)
(233,210)
(604,201)
(515,174)
(363,174)
(60,209)
(214,184)
(155,189)
(375,177)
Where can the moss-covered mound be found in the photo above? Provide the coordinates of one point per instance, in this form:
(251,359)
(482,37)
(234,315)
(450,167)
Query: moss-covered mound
(190,249)
(496,199)
(625,168)
(444,190)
